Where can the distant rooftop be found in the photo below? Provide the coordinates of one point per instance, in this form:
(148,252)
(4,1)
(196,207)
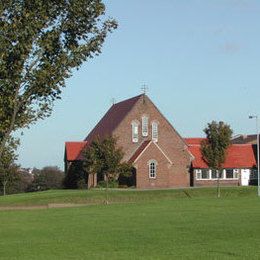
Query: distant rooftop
(244,139)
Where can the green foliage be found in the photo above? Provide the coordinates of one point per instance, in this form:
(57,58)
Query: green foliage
(41,42)
(50,177)
(8,168)
(8,178)
(125,169)
(22,182)
(81,184)
(76,176)
(127,175)
(110,184)
(104,158)
(214,147)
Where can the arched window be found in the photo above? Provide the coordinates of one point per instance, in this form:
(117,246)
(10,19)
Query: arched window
(155,131)
(145,126)
(135,132)
(152,169)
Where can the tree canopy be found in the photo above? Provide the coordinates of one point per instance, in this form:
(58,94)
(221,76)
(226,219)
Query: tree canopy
(104,158)
(41,42)
(214,147)
(49,177)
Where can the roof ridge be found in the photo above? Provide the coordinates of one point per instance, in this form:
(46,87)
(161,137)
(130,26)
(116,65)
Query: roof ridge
(167,120)
(112,118)
(126,100)
(132,157)
(76,142)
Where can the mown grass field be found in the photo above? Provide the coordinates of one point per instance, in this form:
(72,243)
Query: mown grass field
(190,224)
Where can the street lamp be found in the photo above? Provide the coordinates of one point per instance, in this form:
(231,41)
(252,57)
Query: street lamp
(257,148)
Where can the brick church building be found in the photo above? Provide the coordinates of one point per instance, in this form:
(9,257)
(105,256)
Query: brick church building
(160,156)
(158,153)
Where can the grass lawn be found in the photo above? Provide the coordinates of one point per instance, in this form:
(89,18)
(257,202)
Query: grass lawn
(98,196)
(156,225)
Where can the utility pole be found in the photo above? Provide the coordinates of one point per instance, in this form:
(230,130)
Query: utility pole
(257,149)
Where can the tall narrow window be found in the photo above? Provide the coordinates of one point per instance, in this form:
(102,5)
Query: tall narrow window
(155,132)
(134,132)
(152,169)
(145,126)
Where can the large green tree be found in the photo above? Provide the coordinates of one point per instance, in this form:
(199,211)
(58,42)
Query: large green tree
(41,42)
(215,146)
(104,158)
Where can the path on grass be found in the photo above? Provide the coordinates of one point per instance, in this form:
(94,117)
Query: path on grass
(48,206)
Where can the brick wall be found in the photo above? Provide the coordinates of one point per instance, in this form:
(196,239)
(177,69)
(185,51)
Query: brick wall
(168,139)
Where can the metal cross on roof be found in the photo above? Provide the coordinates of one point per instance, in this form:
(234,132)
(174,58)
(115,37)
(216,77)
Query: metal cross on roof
(113,101)
(144,89)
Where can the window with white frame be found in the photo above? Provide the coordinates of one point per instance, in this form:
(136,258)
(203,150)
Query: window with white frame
(216,174)
(135,132)
(231,173)
(202,174)
(155,131)
(152,169)
(198,174)
(145,126)
(254,174)
(235,173)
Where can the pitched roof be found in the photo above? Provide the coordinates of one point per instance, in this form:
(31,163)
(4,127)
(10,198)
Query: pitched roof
(238,156)
(194,140)
(73,150)
(139,150)
(112,118)
(244,139)
(142,149)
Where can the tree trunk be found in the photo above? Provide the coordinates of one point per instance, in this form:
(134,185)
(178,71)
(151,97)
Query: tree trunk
(8,132)
(93,180)
(218,188)
(90,180)
(218,184)
(4,187)
(106,189)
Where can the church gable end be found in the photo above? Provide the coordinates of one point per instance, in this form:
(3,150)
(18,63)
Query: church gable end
(152,126)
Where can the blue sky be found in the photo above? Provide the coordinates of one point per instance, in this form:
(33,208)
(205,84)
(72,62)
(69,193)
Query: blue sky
(199,58)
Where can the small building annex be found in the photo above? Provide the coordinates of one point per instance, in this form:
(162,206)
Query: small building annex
(238,169)
(160,156)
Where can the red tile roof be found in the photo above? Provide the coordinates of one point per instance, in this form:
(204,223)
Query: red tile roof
(194,140)
(73,150)
(112,119)
(140,149)
(238,156)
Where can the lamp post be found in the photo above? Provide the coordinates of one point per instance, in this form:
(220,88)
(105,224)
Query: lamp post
(257,148)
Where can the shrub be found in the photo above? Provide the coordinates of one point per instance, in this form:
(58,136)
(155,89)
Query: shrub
(111,184)
(49,177)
